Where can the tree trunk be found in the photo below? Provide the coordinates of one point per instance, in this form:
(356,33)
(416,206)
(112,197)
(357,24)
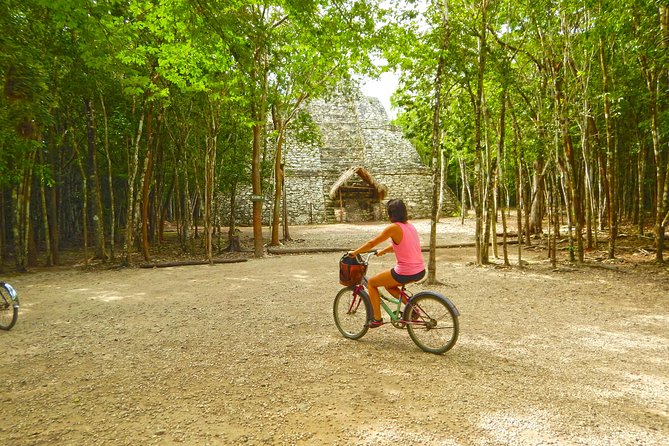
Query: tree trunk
(519,218)
(257,192)
(585,152)
(110,183)
(660,176)
(537,198)
(54,197)
(492,193)
(278,176)
(258,114)
(100,251)
(555,214)
(234,244)
(21,224)
(588,180)
(478,168)
(436,161)
(187,207)
(169,194)
(133,166)
(146,184)
(465,191)
(286,225)
(442,182)
(610,155)
(158,182)
(641,175)
(84,184)
(500,173)
(519,180)
(210,171)
(436,146)
(653,76)
(280,123)
(488,209)
(45,217)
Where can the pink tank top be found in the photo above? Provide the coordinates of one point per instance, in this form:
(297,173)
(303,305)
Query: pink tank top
(407,252)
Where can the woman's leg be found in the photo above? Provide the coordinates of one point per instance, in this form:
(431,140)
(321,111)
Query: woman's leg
(394,291)
(383,279)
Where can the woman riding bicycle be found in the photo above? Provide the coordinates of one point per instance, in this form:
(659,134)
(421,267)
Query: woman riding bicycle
(406,245)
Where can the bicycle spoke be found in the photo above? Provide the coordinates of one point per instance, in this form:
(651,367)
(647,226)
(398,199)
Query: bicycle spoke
(350,313)
(432,324)
(355,304)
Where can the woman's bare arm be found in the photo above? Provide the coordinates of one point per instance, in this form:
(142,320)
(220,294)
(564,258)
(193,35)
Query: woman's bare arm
(385,250)
(391,231)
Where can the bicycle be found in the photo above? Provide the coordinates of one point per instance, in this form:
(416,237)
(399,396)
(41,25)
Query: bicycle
(430,318)
(9,306)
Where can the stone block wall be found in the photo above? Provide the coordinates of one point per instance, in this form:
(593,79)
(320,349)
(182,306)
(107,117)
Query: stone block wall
(305,199)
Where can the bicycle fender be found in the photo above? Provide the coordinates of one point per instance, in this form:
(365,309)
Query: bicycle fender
(450,304)
(362,292)
(10,289)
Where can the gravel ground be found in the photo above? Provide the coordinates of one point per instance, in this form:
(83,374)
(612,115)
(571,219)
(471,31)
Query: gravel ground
(248,353)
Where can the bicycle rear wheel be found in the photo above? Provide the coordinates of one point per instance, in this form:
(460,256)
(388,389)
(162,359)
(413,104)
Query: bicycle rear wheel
(351,312)
(432,322)
(9,309)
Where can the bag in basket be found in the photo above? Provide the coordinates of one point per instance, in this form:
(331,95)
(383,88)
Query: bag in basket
(351,271)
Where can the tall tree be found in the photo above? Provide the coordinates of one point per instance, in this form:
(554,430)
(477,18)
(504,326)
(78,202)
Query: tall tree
(316,48)
(437,171)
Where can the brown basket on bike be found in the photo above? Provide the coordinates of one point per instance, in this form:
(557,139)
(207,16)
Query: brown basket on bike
(351,270)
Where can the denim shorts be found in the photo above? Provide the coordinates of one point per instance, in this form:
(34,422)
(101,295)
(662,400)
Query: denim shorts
(406,279)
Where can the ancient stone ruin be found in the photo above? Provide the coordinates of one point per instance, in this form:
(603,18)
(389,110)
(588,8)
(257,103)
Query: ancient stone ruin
(362,162)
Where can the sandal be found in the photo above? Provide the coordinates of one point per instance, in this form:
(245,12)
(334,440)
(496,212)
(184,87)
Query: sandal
(375,323)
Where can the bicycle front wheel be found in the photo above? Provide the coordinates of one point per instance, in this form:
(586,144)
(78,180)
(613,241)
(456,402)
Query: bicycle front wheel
(9,309)
(351,312)
(432,322)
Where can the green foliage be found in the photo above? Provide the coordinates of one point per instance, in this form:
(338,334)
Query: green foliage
(235,61)
(306,131)
(537,53)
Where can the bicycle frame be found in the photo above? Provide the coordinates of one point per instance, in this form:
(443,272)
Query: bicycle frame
(396,314)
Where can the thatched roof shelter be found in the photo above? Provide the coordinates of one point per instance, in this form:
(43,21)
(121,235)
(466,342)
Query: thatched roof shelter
(381,189)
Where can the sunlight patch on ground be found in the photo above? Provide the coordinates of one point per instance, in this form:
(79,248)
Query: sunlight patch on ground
(111,296)
(395,373)
(543,278)
(528,347)
(626,435)
(302,276)
(105,295)
(651,388)
(505,428)
(661,320)
(387,434)
(602,391)
(596,339)
(238,279)
(484,343)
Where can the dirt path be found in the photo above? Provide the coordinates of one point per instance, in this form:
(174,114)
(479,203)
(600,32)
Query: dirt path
(247,353)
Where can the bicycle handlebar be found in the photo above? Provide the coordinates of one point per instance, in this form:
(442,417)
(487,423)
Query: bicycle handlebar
(365,256)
